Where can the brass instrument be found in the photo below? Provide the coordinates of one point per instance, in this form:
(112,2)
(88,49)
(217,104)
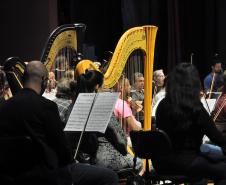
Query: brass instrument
(14,68)
(142,38)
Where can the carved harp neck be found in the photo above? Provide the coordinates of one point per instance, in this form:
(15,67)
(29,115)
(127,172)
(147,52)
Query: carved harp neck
(142,38)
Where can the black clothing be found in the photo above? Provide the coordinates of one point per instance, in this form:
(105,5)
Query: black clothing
(42,116)
(28,113)
(186,141)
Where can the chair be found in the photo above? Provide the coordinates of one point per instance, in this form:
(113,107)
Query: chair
(123,174)
(13,154)
(150,145)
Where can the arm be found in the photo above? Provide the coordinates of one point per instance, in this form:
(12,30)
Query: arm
(131,122)
(209,128)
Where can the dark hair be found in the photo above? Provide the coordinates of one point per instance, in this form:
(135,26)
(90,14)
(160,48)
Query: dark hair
(87,82)
(2,82)
(64,88)
(224,82)
(183,92)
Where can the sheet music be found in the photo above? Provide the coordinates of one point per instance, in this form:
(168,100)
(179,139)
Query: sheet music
(80,112)
(100,114)
(102,111)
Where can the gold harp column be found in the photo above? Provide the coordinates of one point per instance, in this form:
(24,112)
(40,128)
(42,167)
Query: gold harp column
(151,32)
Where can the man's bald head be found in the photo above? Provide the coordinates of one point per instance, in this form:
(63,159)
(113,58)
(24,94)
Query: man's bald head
(35,73)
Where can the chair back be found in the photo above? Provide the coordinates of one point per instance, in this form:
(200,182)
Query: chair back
(150,144)
(16,155)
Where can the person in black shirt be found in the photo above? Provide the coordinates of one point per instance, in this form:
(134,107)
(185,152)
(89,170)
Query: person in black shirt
(182,116)
(28,113)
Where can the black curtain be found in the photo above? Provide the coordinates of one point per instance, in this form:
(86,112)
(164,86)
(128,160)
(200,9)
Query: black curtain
(103,20)
(186,28)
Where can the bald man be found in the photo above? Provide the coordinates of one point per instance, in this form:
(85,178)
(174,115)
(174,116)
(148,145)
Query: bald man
(30,114)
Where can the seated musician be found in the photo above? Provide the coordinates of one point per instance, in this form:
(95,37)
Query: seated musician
(50,90)
(30,114)
(112,146)
(64,96)
(138,95)
(182,116)
(2,86)
(219,112)
(122,108)
(214,80)
(158,77)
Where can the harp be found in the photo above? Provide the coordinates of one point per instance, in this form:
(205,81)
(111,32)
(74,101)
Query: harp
(142,39)
(61,53)
(63,48)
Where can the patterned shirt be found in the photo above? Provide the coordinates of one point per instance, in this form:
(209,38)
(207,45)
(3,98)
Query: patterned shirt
(63,107)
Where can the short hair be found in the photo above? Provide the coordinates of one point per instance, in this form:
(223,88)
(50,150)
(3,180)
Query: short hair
(2,79)
(216,61)
(157,72)
(138,75)
(34,72)
(64,88)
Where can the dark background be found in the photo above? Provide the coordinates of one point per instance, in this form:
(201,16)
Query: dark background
(185,27)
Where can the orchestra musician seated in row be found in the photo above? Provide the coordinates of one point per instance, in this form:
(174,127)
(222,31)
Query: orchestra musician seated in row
(69,74)
(122,109)
(5,91)
(182,116)
(112,146)
(215,78)
(137,95)
(50,90)
(2,86)
(28,113)
(158,77)
(64,97)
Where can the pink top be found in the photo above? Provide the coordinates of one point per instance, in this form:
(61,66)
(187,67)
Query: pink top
(124,111)
(119,107)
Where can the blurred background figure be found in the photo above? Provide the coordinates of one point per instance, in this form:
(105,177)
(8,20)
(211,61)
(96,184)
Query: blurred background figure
(70,74)
(2,86)
(50,91)
(159,77)
(214,80)
(64,96)
(138,96)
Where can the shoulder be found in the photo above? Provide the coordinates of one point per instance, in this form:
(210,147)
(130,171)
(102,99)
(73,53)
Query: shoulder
(48,103)
(208,77)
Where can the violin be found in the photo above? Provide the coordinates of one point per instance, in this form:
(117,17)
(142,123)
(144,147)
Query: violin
(135,105)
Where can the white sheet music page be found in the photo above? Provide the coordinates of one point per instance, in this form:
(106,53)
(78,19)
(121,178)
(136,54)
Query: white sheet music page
(100,114)
(102,111)
(80,112)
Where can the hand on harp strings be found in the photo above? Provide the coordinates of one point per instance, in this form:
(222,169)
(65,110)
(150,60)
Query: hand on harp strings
(135,105)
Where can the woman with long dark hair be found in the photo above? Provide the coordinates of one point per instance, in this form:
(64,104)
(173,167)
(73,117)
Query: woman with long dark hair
(182,116)
(89,82)
(109,149)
